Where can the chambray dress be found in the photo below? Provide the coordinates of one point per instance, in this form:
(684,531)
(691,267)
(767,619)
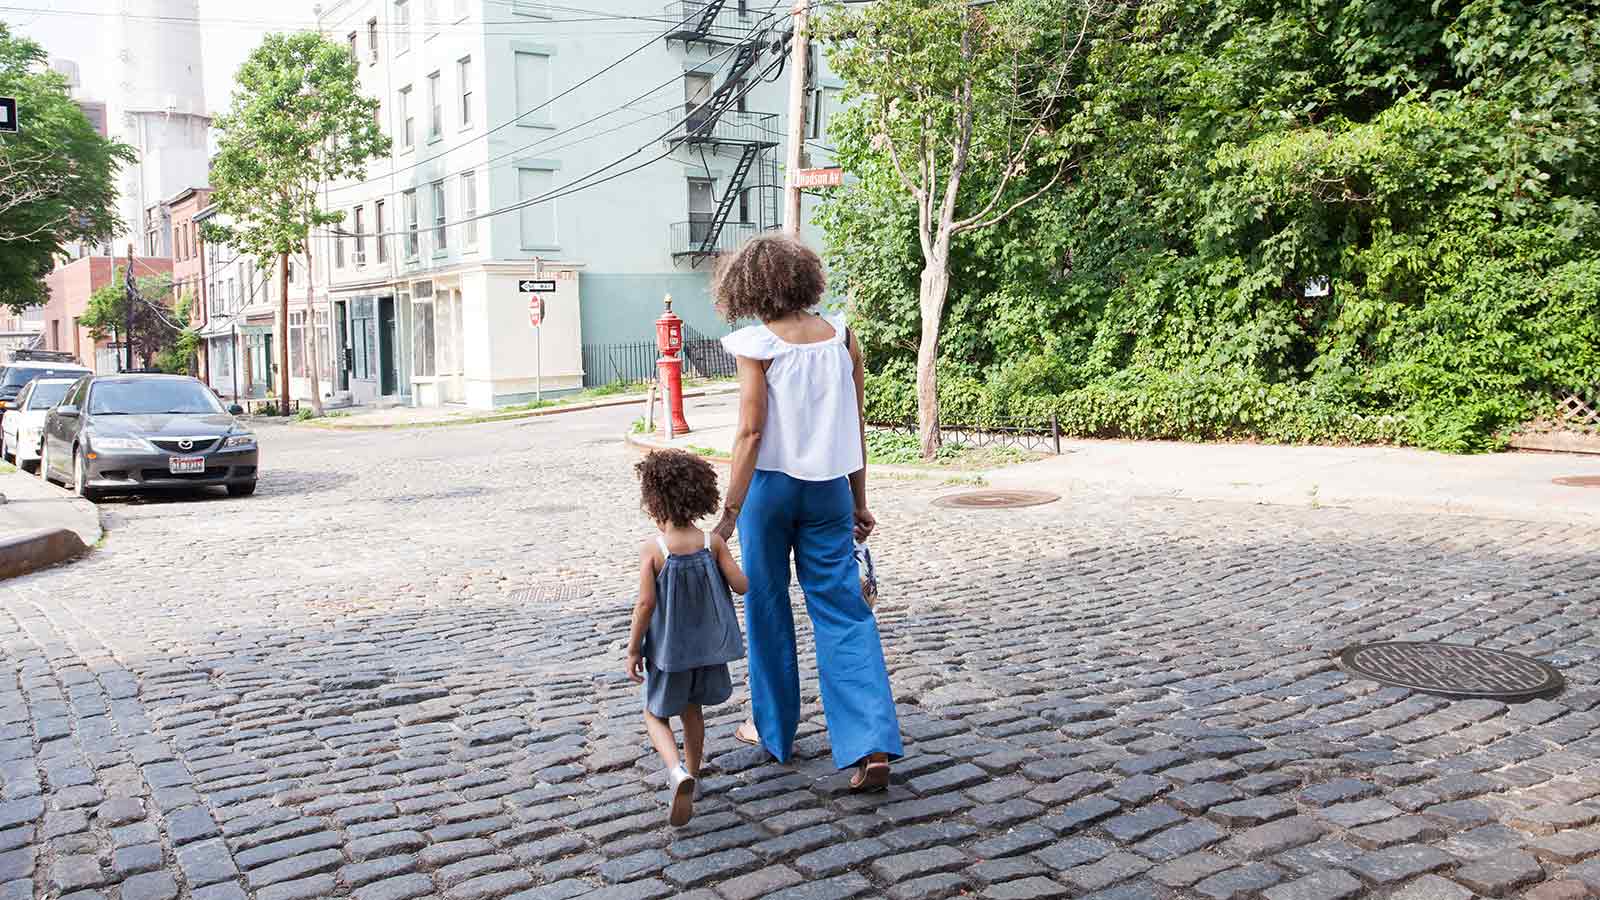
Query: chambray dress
(692,636)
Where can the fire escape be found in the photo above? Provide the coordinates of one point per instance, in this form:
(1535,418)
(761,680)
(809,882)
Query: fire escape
(719,126)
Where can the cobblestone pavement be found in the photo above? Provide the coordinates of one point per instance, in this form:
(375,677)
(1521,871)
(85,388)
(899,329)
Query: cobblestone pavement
(396,673)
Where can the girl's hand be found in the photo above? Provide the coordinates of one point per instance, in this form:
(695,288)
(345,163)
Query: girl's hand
(865,522)
(636,667)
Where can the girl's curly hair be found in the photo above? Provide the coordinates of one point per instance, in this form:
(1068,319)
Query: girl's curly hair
(770,277)
(677,487)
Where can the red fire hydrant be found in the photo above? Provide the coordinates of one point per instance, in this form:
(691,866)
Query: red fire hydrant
(669,340)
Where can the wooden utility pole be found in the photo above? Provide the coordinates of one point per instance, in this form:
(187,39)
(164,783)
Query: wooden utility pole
(799,55)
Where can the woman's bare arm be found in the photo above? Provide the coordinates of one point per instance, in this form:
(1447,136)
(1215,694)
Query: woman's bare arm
(752,419)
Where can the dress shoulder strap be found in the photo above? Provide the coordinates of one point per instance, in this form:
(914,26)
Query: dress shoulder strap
(707,536)
(662,543)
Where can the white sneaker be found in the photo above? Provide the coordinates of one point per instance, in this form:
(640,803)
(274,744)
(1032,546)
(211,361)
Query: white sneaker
(682,785)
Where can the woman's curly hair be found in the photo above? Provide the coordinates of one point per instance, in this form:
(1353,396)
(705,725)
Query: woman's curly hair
(770,277)
(677,487)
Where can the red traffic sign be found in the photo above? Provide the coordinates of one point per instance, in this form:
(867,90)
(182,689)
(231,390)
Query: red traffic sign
(535,310)
(811,178)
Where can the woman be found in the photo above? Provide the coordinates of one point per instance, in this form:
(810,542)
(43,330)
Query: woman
(799,485)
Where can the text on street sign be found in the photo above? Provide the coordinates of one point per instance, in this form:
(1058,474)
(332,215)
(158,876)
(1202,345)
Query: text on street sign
(536,311)
(536,286)
(804,178)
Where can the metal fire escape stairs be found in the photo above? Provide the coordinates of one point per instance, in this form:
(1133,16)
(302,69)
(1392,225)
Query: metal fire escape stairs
(701,128)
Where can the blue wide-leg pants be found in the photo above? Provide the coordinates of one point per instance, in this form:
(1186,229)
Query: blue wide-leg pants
(815,521)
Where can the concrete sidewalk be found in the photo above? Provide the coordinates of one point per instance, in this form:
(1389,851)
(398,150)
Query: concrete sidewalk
(1517,486)
(41,524)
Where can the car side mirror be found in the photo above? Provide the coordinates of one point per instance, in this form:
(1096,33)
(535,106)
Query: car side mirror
(235,410)
(67,410)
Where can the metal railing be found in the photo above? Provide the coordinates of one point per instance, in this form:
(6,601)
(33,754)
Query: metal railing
(732,127)
(1032,438)
(690,237)
(635,362)
(726,25)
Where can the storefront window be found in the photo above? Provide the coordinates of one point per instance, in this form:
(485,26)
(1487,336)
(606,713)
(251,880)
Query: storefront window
(422,356)
(297,347)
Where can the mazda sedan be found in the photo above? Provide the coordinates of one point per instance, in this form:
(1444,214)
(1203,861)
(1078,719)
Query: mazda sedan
(116,434)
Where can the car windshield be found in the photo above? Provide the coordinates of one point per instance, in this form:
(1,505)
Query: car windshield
(153,396)
(17,376)
(47,395)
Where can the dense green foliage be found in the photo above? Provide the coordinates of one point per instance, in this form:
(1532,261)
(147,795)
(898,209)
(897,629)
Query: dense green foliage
(57,174)
(1435,161)
(162,338)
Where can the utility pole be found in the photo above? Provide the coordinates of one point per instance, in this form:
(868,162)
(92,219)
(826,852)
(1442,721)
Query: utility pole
(283,337)
(127,309)
(799,55)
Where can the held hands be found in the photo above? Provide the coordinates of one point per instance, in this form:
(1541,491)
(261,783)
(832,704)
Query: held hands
(725,525)
(865,523)
(636,667)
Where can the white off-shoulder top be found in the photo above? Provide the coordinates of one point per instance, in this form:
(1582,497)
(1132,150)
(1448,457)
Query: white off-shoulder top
(813,428)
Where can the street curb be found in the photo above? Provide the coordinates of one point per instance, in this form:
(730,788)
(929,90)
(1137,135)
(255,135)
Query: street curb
(34,550)
(490,418)
(644,443)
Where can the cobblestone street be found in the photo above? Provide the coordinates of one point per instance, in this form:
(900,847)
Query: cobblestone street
(397,672)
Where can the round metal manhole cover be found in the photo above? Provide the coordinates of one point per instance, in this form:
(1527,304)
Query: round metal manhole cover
(992,499)
(1579,481)
(1452,670)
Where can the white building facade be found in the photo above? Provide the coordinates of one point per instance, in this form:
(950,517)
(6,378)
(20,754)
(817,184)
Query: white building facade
(601,158)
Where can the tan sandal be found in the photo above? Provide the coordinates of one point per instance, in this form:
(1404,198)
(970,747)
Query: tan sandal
(751,737)
(872,774)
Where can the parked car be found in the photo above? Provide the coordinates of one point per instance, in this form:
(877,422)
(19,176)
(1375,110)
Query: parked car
(26,365)
(114,434)
(23,423)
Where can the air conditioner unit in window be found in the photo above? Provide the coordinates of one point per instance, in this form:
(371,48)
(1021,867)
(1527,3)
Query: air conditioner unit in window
(361,258)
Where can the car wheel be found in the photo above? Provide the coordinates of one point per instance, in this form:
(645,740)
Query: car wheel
(242,490)
(80,478)
(44,463)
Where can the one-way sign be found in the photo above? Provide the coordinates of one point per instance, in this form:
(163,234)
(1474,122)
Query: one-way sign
(536,286)
(8,114)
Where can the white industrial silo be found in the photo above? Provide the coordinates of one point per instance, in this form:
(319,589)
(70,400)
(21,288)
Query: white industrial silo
(158,107)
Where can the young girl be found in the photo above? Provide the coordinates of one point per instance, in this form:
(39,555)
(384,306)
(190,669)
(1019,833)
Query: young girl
(685,631)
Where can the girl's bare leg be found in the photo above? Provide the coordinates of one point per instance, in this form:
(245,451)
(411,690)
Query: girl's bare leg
(662,738)
(694,738)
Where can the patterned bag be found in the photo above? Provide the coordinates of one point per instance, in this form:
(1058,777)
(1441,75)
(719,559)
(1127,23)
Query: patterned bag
(869,575)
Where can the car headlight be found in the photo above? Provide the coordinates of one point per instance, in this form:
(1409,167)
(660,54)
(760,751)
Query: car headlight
(120,443)
(239,440)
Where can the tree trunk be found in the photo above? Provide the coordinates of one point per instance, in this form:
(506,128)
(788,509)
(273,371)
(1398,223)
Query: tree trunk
(311,335)
(935,287)
(283,335)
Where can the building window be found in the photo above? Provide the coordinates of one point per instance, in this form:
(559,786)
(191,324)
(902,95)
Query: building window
(430,17)
(538,8)
(469,208)
(702,208)
(464,77)
(382,237)
(407,137)
(324,348)
(440,241)
(402,26)
(538,219)
(822,104)
(372,40)
(363,340)
(338,248)
(435,111)
(408,203)
(354,52)
(361,235)
(297,344)
(533,88)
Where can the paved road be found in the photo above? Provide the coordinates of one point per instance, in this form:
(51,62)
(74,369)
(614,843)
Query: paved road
(396,673)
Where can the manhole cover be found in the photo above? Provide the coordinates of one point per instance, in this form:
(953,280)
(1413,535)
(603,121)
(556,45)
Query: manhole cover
(1579,481)
(549,596)
(1451,670)
(996,499)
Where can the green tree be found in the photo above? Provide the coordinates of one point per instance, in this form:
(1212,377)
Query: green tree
(157,330)
(297,119)
(960,108)
(57,175)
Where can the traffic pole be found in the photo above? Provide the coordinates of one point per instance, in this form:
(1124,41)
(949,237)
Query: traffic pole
(799,56)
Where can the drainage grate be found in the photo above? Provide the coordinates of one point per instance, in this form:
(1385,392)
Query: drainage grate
(1579,481)
(996,499)
(551,595)
(1452,670)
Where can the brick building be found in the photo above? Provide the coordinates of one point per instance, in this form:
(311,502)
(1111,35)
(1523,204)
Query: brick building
(70,287)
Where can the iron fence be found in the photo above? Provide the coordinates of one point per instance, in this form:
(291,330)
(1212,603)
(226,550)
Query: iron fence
(608,364)
(1032,438)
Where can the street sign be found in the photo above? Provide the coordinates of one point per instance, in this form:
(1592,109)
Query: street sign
(812,178)
(537,285)
(536,311)
(8,114)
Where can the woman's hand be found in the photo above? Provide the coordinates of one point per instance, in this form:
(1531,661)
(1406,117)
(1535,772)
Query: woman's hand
(865,522)
(726,524)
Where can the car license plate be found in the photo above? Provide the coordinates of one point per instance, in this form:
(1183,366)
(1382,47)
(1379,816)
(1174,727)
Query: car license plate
(181,465)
